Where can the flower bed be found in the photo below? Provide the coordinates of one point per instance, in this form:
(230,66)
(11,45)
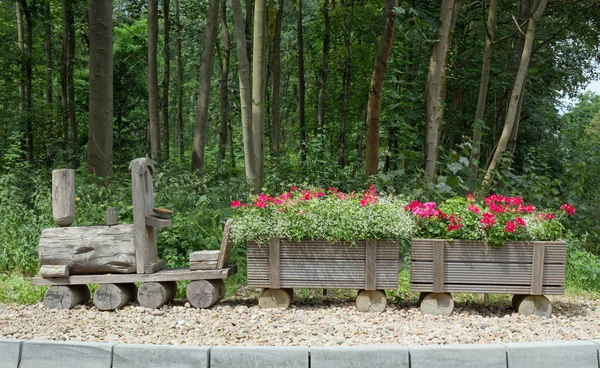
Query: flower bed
(453,252)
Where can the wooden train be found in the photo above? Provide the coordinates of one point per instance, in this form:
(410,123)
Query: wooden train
(118,256)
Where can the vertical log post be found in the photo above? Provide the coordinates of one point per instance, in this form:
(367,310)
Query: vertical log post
(371,265)
(438,265)
(63,197)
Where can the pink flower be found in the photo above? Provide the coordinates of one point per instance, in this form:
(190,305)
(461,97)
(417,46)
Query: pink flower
(550,216)
(529,208)
(488,220)
(510,227)
(520,221)
(470,197)
(568,209)
(293,188)
(236,203)
(451,228)
(473,208)
(260,204)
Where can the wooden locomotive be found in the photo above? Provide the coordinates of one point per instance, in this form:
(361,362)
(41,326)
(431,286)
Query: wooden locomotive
(118,256)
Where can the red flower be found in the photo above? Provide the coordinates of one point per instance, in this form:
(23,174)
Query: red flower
(293,188)
(473,208)
(260,204)
(568,209)
(529,208)
(236,203)
(470,197)
(488,220)
(451,228)
(550,216)
(510,227)
(520,221)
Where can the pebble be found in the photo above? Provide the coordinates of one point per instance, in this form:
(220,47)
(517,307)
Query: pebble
(333,320)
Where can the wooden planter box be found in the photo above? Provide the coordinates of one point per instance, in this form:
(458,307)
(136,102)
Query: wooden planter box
(367,265)
(533,268)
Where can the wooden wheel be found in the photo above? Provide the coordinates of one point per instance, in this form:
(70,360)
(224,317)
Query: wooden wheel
(156,294)
(516,300)
(440,304)
(109,297)
(422,296)
(371,301)
(66,297)
(205,293)
(535,304)
(276,298)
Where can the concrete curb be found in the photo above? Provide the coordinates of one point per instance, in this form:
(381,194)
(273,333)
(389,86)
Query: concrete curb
(55,354)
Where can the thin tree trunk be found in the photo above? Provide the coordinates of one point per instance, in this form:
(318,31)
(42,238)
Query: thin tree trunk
(341,154)
(224,98)
(153,114)
(21,43)
(538,9)
(166,82)
(376,90)
(301,82)
(323,70)
(49,89)
(483,90)
(275,110)
(512,141)
(248,29)
(259,87)
(433,88)
(28,79)
(179,81)
(200,137)
(231,148)
(100,131)
(245,93)
(71,88)
(63,76)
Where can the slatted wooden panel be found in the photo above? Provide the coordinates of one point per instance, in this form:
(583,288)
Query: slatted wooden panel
(474,267)
(320,264)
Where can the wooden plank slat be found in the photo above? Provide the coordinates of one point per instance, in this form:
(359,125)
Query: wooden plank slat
(488,289)
(274,263)
(226,245)
(174,274)
(157,222)
(438,266)
(537,269)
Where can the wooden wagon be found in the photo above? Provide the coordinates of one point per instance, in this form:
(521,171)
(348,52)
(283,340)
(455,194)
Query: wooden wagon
(282,265)
(528,270)
(118,256)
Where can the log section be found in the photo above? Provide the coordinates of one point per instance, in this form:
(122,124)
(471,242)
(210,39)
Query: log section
(63,197)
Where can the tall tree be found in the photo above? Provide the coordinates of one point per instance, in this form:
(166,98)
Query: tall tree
(249,4)
(323,70)
(224,97)
(166,80)
(49,67)
(259,72)
(537,10)
(71,83)
(301,82)
(63,75)
(376,89)
(179,80)
(28,79)
(100,131)
(21,44)
(433,89)
(490,28)
(206,66)
(245,93)
(275,104)
(153,80)
(346,77)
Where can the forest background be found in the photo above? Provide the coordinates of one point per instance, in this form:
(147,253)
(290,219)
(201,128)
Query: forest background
(428,99)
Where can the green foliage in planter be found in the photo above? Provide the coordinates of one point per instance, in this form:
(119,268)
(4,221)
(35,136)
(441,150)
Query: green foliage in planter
(318,214)
(495,221)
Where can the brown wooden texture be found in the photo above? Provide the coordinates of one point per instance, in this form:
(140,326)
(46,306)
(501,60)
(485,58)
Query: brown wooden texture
(112,296)
(54,271)
(371,301)
(66,297)
(63,196)
(204,255)
(156,294)
(438,266)
(89,249)
(537,269)
(320,264)
(203,265)
(276,298)
(157,222)
(371,265)
(174,274)
(205,293)
(471,266)
(274,263)
(226,245)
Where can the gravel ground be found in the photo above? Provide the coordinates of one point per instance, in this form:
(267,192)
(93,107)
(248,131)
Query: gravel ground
(331,320)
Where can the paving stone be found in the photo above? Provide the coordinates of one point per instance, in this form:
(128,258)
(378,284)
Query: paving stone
(159,356)
(359,356)
(54,354)
(459,356)
(580,354)
(10,352)
(258,357)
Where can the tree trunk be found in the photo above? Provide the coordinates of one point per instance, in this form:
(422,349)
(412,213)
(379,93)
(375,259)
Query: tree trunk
(206,66)
(71,85)
(28,78)
(341,154)
(100,131)
(301,83)
(375,92)
(21,43)
(245,93)
(153,80)
(538,9)
(49,83)
(275,110)
(323,70)
(63,75)
(433,88)
(179,81)
(512,141)
(259,87)
(483,90)
(248,29)
(166,82)
(224,98)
